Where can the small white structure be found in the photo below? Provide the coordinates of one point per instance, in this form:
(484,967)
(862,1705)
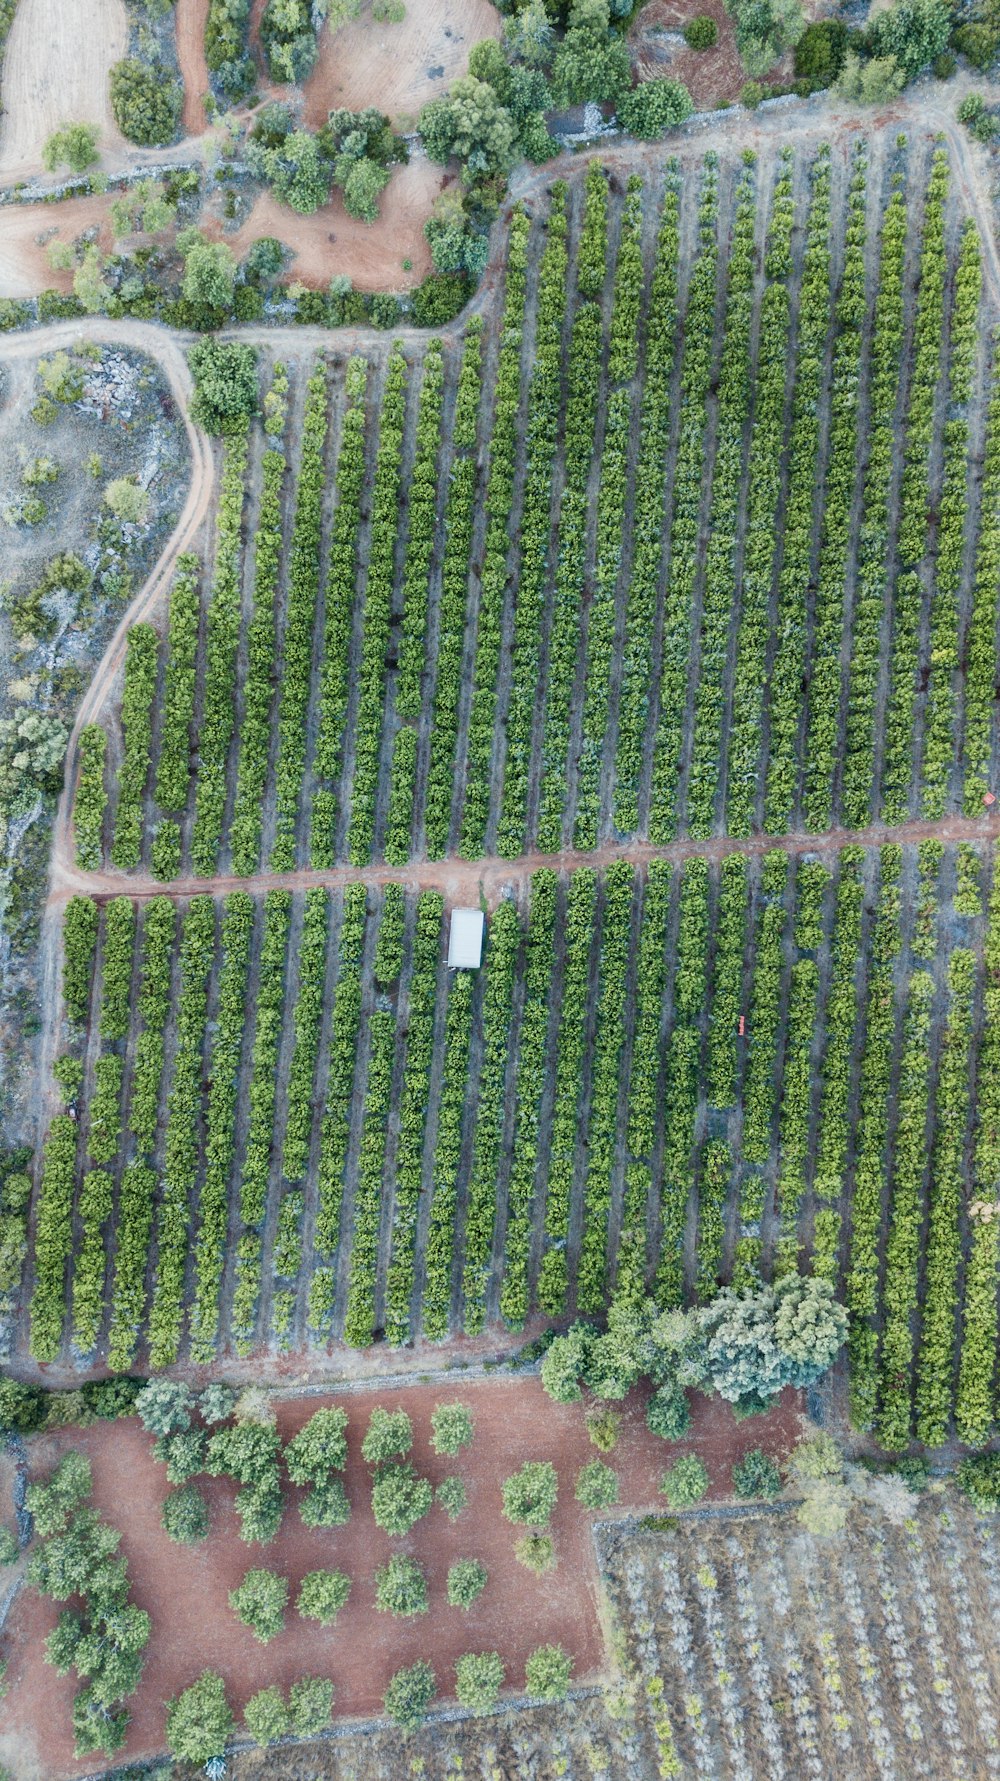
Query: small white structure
(465,942)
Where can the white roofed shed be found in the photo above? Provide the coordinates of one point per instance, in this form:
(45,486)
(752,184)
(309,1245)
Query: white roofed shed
(465,942)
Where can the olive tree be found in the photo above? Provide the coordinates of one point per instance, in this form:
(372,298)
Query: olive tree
(529,1496)
(409,1695)
(260,1602)
(479,1677)
(400,1498)
(451,1428)
(322,1594)
(199,1721)
(401,1587)
(547,1673)
(389,1436)
(466,1582)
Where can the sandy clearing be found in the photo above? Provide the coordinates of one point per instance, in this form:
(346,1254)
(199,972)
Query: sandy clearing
(59,54)
(330,242)
(186,1590)
(397,67)
(191,16)
(24,264)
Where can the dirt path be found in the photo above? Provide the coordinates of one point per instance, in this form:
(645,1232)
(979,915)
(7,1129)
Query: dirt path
(191,16)
(462,881)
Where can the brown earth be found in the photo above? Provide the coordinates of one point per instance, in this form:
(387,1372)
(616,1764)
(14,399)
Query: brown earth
(191,17)
(29,228)
(711,76)
(55,71)
(398,68)
(186,1590)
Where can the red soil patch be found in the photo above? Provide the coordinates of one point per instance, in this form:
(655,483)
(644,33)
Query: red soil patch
(330,242)
(397,67)
(186,1591)
(191,16)
(711,76)
(24,264)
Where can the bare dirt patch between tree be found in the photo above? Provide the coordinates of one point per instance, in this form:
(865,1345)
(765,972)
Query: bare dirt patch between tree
(185,1590)
(192,17)
(55,71)
(397,68)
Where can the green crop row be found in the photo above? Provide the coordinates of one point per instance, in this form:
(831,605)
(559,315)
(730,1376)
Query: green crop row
(498,501)
(222,635)
(974,1404)
(715,1170)
(220,1123)
(104,1124)
(133,1227)
(116,968)
(906,1211)
(159,924)
(345,1027)
(642,1107)
(571,1047)
(339,599)
(841,1025)
(542,434)
(795,1111)
(647,511)
(438,1261)
(735,387)
(980,640)
(93,1210)
(79,943)
(458,526)
(53,1237)
(370,674)
(687,488)
(681,1079)
(259,681)
(532,1065)
(727,982)
(592,249)
(91,798)
(422,505)
(307,1020)
(413,1116)
(359,1317)
(173,763)
(616,951)
(141,659)
(255,1174)
(481,1208)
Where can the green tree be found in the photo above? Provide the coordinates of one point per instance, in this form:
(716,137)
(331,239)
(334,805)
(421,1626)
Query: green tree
(979,1477)
(310,1704)
(529,1496)
(820,52)
(564,1361)
(401,1587)
(400,1498)
(322,1594)
(127,500)
(164,1406)
(755,1475)
(547,1673)
(363,188)
(685,1482)
(74,146)
(597,1486)
(326,1505)
(410,1694)
(451,1428)
(528,35)
(266,1716)
(319,1448)
(451,1496)
(668,1413)
(701,32)
(471,124)
(209,273)
(215,1404)
(260,1602)
(466,1582)
(185,1515)
(810,1327)
(389,1435)
(299,172)
(591,63)
(654,108)
(537,1552)
(764,30)
(10,1550)
(146,101)
(199,1722)
(50,1504)
(479,1677)
(912,33)
(225,379)
(870,83)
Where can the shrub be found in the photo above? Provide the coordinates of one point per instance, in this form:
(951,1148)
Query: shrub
(479,1677)
(225,384)
(547,1673)
(451,1427)
(146,102)
(409,1695)
(199,1721)
(603,1427)
(266,1716)
(310,1704)
(979,1477)
(655,107)
(74,146)
(127,500)
(452,1496)
(401,1587)
(685,1483)
(537,1552)
(439,299)
(389,1435)
(322,1594)
(977,43)
(701,32)
(185,1515)
(755,1475)
(260,1602)
(22,1407)
(10,1551)
(400,1498)
(820,52)
(529,1496)
(466,1582)
(977,118)
(669,1413)
(597,1486)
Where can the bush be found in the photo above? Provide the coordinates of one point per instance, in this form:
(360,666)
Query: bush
(479,1677)
(185,1515)
(603,1427)
(10,1551)
(451,1496)
(979,1477)
(322,1594)
(977,118)
(685,1483)
(199,1721)
(669,1413)
(701,32)
(547,1673)
(654,107)
(439,299)
(310,1704)
(537,1552)
(466,1582)
(977,43)
(944,65)
(400,1498)
(401,1587)
(74,146)
(225,385)
(597,1486)
(529,1496)
(409,1695)
(22,1407)
(260,1602)
(266,1716)
(755,1475)
(451,1428)
(146,102)
(820,52)
(389,1436)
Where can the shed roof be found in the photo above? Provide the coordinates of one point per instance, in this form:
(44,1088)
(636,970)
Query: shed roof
(465,943)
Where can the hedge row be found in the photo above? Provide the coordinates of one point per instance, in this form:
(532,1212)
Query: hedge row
(159,926)
(795,1111)
(439,1257)
(840,1028)
(91,798)
(93,1209)
(571,1047)
(532,1069)
(79,943)
(974,1403)
(642,1107)
(339,598)
(345,1028)
(222,635)
(681,1079)
(616,950)
(133,1227)
(732,914)
(259,681)
(53,1237)
(542,437)
(422,505)
(104,1112)
(307,1020)
(760,1066)
(359,1316)
(255,1175)
(413,1116)
(116,968)
(980,648)
(370,674)
(173,763)
(141,662)
(481,1200)
(902,1247)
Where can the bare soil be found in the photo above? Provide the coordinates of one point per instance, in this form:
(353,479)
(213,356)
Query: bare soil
(55,71)
(398,68)
(191,17)
(711,76)
(186,1590)
(29,228)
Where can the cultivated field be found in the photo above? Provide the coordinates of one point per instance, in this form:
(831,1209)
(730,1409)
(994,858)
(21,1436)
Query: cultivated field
(55,71)
(870,1656)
